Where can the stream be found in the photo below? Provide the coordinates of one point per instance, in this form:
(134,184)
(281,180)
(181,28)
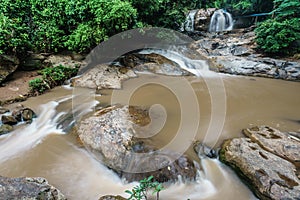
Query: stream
(48,148)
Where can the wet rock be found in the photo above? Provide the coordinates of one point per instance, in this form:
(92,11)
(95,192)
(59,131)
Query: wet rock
(268,160)
(4,129)
(112,135)
(9,120)
(8,65)
(276,142)
(167,167)
(235,54)
(3,110)
(202,19)
(109,134)
(23,114)
(28,114)
(103,77)
(204,151)
(28,188)
(242,66)
(154,63)
(111,197)
(269,176)
(240,51)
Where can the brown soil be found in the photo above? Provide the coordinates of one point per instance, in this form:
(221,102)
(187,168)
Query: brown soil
(16,88)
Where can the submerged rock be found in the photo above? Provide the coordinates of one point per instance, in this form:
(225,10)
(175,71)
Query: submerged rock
(112,135)
(111,197)
(23,114)
(268,161)
(204,151)
(5,128)
(28,188)
(10,120)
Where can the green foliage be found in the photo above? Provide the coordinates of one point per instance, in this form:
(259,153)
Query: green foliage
(281,33)
(51,77)
(38,85)
(287,8)
(164,13)
(106,18)
(245,7)
(141,191)
(54,25)
(57,75)
(274,36)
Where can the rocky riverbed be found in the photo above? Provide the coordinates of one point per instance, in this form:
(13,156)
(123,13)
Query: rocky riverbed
(235,53)
(267,159)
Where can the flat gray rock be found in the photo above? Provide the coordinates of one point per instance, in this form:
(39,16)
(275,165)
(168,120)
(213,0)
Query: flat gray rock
(268,161)
(28,189)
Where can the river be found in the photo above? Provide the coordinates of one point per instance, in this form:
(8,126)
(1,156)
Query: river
(48,148)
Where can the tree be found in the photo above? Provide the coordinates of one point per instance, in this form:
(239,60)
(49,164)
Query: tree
(280,34)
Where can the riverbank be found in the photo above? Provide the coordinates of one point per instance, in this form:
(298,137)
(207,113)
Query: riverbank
(249,101)
(231,52)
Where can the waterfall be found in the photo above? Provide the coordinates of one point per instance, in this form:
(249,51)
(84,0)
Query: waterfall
(196,67)
(221,21)
(188,25)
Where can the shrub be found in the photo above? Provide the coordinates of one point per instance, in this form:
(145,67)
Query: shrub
(281,33)
(51,77)
(38,85)
(275,36)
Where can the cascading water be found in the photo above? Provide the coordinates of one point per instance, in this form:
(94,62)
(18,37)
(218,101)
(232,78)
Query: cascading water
(196,67)
(42,148)
(188,25)
(221,21)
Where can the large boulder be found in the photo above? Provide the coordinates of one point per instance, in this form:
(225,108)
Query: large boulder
(268,161)
(103,77)
(154,63)
(28,188)
(272,140)
(112,135)
(8,65)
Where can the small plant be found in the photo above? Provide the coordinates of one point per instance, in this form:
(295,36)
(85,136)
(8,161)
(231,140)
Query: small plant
(57,75)
(140,191)
(38,85)
(51,77)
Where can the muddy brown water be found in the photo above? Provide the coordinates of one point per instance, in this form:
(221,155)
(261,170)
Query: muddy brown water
(43,149)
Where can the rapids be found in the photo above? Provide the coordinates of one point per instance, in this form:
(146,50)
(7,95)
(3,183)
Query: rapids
(227,104)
